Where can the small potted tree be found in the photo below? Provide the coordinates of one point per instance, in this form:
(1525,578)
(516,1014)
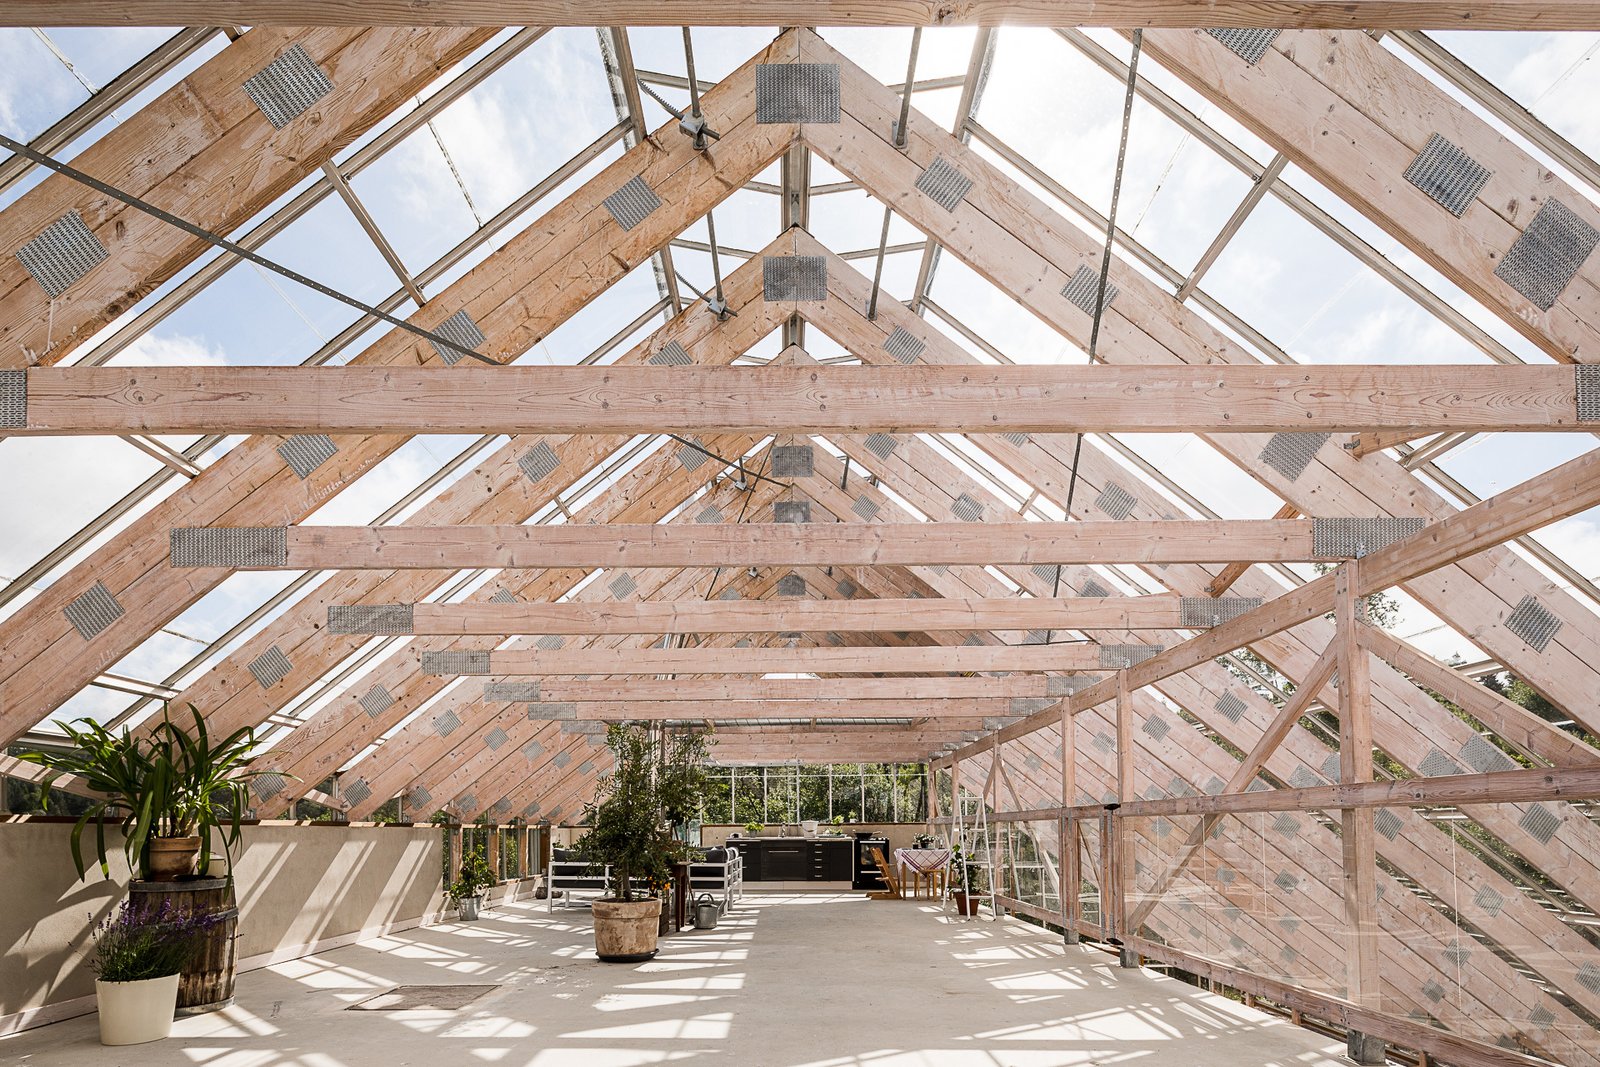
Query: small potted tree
(967,883)
(139,954)
(631,834)
(471,886)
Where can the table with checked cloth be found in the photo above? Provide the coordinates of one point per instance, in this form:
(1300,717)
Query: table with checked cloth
(922,861)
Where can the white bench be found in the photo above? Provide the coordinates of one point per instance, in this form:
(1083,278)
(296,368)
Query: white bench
(721,876)
(569,877)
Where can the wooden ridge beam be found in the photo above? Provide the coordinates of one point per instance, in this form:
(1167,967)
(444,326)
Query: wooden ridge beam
(913,660)
(1546,15)
(783,615)
(1044,398)
(763,544)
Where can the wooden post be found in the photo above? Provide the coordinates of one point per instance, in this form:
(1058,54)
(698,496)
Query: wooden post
(1357,830)
(1124,842)
(1071,878)
(492,850)
(993,800)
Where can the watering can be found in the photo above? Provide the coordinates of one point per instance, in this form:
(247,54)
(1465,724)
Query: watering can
(705,912)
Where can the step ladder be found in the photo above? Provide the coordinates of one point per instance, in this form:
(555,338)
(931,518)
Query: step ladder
(972,837)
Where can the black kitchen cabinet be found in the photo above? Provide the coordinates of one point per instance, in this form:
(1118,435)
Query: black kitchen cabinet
(795,859)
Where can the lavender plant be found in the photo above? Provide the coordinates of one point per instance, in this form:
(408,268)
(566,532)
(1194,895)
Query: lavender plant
(142,941)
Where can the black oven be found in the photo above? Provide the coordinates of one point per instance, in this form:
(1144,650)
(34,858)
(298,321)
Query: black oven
(867,875)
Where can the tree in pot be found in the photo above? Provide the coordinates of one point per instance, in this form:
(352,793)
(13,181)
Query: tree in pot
(172,789)
(139,954)
(652,782)
(471,885)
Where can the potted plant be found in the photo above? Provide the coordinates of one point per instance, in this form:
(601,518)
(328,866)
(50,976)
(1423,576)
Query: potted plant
(172,789)
(471,885)
(139,954)
(754,828)
(630,833)
(967,883)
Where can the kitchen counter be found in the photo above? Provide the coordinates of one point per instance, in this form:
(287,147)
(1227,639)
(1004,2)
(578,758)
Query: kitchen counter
(795,859)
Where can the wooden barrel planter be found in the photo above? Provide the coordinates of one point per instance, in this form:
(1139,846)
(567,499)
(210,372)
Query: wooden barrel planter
(207,983)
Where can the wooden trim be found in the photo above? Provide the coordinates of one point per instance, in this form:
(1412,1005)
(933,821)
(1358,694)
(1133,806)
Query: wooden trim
(1547,15)
(1358,837)
(1040,398)
(768,544)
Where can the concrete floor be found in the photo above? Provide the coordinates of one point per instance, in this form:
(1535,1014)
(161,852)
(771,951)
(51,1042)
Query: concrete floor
(787,980)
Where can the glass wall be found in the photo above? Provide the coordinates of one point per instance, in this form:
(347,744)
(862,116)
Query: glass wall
(855,792)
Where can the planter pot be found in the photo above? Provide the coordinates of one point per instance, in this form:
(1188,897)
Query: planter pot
(626,932)
(469,908)
(132,1013)
(966,903)
(171,858)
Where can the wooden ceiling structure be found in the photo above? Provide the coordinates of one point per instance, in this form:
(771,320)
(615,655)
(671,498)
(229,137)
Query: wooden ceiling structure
(807,520)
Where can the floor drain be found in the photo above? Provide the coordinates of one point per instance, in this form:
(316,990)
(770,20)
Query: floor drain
(423,998)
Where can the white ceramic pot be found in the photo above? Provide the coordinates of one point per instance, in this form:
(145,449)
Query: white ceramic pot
(132,1013)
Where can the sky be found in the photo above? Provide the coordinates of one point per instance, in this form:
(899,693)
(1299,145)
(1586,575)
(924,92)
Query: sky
(1290,282)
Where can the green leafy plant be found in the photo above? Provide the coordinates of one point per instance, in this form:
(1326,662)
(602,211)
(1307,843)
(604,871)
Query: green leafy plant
(171,783)
(754,827)
(473,878)
(966,874)
(629,818)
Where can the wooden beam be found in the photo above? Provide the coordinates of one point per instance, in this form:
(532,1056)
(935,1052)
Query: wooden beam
(516,296)
(1043,398)
(1234,571)
(1509,720)
(968,709)
(778,616)
(911,660)
(204,151)
(1358,835)
(776,544)
(1566,490)
(1547,15)
(687,690)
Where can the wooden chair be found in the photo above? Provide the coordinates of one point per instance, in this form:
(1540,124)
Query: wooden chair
(886,869)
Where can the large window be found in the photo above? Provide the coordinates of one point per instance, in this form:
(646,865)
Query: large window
(857,792)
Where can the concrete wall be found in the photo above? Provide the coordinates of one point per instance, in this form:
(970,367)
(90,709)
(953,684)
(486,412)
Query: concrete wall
(301,887)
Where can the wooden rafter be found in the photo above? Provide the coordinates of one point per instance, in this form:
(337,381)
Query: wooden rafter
(182,151)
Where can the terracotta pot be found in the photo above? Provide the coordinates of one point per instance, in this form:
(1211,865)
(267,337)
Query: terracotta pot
(132,1013)
(626,932)
(172,858)
(966,903)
